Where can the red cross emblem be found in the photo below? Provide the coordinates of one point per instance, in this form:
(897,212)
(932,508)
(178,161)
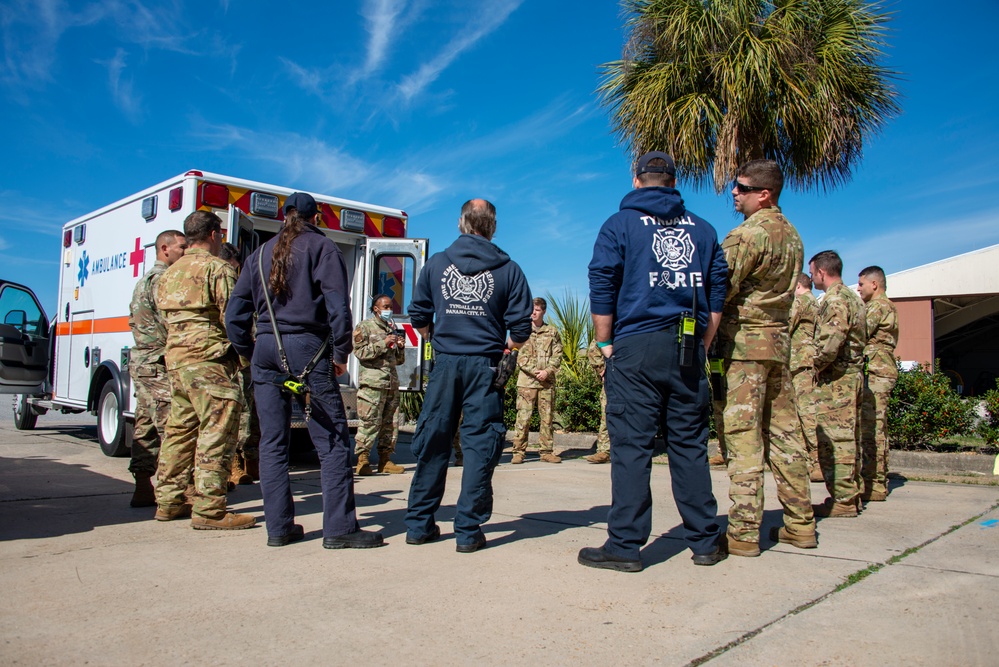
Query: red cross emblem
(137,257)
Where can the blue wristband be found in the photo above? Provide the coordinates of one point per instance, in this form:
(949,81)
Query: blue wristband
(603,344)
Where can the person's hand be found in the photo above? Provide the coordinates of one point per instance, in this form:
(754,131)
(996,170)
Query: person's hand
(607,351)
(603,369)
(542,376)
(400,341)
(339,369)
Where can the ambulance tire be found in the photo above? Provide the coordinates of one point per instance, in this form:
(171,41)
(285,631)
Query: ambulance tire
(114,432)
(24,417)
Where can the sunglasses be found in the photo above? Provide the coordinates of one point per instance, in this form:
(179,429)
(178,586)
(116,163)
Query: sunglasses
(743,188)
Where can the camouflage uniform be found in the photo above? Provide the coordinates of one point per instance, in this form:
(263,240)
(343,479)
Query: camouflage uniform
(204,376)
(597,362)
(378,387)
(542,352)
(840,336)
(249,425)
(802,327)
(148,372)
(882,371)
(761,425)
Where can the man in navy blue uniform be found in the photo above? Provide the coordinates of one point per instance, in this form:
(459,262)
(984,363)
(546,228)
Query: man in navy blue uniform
(649,259)
(472,294)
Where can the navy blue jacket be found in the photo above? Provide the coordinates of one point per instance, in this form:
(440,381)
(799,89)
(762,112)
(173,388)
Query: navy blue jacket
(472,293)
(646,259)
(318,300)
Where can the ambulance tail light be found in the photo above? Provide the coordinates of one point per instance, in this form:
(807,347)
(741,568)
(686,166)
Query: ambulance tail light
(67,238)
(213,195)
(393,227)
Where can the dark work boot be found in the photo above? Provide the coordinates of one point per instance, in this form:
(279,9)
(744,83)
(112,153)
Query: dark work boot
(143,496)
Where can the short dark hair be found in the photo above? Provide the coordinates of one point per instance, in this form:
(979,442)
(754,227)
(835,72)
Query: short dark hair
(875,273)
(805,281)
(165,237)
(378,297)
(229,251)
(829,261)
(200,225)
(763,174)
(538,301)
(478,217)
(652,179)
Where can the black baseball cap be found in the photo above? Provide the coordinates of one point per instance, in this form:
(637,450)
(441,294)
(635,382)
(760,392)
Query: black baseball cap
(643,164)
(302,202)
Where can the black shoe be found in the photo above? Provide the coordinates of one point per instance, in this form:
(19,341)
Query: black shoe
(429,537)
(474,546)
(359,539)
(713,558)
(296,534)
(597,557)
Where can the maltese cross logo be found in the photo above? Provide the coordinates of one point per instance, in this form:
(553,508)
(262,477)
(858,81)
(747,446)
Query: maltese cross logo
(673,248)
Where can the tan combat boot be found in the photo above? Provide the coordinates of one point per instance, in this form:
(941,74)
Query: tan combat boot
(550,457)
(815,475)
(800,540)
(518,457)
(385,464)
(599,457)
(143,496)
(830,509)
(171,513)
(741,548)
(229,521)
(716,460)
(363,466)
(876,497)
(238,474)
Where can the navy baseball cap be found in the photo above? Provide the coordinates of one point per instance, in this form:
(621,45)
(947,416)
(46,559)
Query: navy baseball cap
(643,164)
(302,202)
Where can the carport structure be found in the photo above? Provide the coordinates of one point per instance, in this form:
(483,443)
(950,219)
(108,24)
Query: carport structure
(949,310)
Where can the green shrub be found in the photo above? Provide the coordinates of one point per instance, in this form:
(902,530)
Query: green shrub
(988,427)
(577,400)
(924,409)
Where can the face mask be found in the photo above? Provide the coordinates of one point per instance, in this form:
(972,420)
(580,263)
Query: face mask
(386,315)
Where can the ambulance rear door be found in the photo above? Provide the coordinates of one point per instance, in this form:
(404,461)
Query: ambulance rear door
(391,267)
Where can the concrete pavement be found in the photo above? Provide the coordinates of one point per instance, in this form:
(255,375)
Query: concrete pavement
(88,579)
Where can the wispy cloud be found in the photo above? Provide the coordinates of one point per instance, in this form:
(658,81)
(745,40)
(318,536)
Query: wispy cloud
(381,17)
(122,89)
(491,17)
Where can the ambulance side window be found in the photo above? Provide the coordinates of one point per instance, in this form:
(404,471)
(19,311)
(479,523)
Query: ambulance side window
(395,276)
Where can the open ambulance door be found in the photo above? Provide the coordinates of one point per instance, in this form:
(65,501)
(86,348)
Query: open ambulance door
(24,349)
(391,267)
(241,233)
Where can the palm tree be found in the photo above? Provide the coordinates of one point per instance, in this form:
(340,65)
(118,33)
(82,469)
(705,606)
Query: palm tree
(571,316)
(718,82)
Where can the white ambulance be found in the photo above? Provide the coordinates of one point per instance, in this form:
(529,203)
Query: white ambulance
(79,362)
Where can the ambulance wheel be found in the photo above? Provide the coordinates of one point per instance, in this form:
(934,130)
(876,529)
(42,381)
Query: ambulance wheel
(24,417)
(113,431)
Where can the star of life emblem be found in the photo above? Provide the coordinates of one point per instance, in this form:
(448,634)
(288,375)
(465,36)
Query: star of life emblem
(673,248)
(466,289)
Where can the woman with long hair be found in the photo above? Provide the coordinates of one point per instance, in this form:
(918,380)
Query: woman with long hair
(309,294)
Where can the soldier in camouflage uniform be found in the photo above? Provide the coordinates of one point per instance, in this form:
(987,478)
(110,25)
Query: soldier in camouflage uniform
(378,350)
(246,460)
(802,327)
(204,378)
(147,369)
(597,363)
(539,361)
(840,336)
(882,372)
(761,425)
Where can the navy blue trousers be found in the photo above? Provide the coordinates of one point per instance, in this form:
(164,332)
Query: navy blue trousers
(646,390)
(328,428)
(457,383)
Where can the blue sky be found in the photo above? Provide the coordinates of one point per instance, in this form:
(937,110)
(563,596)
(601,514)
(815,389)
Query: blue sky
(421,105)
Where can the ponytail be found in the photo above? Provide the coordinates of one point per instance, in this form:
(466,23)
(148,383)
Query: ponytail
(281,260)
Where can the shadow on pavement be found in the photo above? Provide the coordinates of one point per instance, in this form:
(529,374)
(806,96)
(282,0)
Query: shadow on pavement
(42,498)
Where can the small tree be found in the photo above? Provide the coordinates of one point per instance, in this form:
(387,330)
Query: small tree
(924,409)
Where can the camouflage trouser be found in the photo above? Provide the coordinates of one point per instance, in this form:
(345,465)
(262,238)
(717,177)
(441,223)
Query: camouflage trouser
(836,430)
(152,408)
(376,409)
(803,380)
(200,436)
(456,443)
(526,398)
(249,425)
(874,434)
(718,412)
(603,437)
(762,427)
